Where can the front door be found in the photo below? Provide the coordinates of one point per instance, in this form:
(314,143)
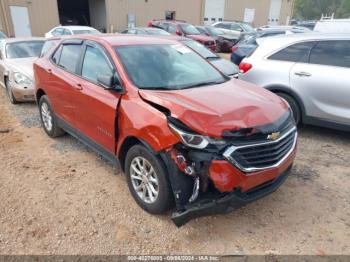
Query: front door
(20,21)
(96,107)
(324,82)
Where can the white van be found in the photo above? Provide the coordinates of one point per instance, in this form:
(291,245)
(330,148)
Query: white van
(333,26)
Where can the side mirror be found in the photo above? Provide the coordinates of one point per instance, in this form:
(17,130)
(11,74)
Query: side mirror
(110,82)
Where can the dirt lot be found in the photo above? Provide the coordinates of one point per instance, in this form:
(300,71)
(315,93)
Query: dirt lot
(58,197)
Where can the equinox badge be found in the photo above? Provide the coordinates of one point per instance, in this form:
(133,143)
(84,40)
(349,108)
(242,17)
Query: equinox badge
(273,136)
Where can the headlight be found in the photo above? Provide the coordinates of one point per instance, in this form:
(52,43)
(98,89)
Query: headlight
(194,140)
(22,79)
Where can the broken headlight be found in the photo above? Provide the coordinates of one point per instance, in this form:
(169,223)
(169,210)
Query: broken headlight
(194,140)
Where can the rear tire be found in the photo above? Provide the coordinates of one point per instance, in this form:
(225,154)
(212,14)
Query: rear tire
(148,180)
(293,105)
(10,95)
(48,118)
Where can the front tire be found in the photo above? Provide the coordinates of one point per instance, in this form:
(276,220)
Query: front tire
(9,92)
(293,105)
(48,118)
(148,180)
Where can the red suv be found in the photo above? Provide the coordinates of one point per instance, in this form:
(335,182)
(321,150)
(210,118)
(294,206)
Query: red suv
(181,28)
(183,133)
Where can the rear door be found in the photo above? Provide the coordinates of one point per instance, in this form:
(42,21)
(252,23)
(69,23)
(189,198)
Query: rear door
(95,107)
(61,79)
(324,82)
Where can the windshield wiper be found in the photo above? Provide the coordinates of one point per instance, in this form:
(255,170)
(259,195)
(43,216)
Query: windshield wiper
(204,84)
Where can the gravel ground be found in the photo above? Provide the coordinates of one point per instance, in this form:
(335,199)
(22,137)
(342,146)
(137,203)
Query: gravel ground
(58,197)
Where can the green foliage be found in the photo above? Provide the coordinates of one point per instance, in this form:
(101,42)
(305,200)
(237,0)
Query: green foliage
(313,9)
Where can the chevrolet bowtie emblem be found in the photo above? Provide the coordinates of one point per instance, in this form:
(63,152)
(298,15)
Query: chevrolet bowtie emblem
(273,136)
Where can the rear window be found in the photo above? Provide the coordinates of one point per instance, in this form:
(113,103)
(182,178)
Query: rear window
(69,57)
(294,53)
(333,53)
(48,46)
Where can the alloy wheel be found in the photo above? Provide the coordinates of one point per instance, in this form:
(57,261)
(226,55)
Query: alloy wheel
(144,180)
(46,116)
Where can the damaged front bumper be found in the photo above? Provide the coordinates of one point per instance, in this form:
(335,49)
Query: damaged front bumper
(228,202)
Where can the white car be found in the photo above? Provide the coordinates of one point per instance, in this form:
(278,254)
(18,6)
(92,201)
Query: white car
(310,71)
(71,30)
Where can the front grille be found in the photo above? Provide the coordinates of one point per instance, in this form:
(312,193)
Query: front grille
(263,155)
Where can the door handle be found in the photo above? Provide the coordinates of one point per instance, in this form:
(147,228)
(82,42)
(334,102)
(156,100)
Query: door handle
(303,74)
(79,87)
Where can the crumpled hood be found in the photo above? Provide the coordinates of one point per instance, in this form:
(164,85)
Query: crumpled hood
(200,38)
(212,110)
(23,65)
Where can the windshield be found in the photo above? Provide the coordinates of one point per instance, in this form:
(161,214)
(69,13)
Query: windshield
(157,32)
(189,29)
(200,49)
(24,49)
(86,32)
(214,31)
(247,27)
(167,67)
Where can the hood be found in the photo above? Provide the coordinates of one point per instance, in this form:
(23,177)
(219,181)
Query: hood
(200,38)
(22,65)
(212,110)
(225,66)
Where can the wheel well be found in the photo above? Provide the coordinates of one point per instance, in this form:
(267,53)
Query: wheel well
(5,78)
(39,94)
(296,99)
(127,144)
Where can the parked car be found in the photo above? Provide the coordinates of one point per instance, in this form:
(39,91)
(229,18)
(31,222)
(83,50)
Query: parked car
(307,24)
(310,71)
(2,35)
(181,28)
(248,42)
(183,133)
(234,28)
(224,42)
(333,26)
(224,66)
(145,31)
(71,30)
(294,29)
(17,56)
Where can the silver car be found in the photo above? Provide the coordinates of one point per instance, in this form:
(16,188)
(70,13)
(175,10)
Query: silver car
(310,71)
(16,67)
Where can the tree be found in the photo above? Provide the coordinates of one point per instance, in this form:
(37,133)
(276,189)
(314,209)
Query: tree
(313,9)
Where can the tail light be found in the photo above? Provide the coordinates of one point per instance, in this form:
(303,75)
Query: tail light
(149,24)
(234,49)
(178,32)
(245,67)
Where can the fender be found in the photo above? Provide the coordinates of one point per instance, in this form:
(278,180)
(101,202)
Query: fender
(287,90)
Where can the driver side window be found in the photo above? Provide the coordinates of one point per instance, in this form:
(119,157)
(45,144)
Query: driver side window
(95,64)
